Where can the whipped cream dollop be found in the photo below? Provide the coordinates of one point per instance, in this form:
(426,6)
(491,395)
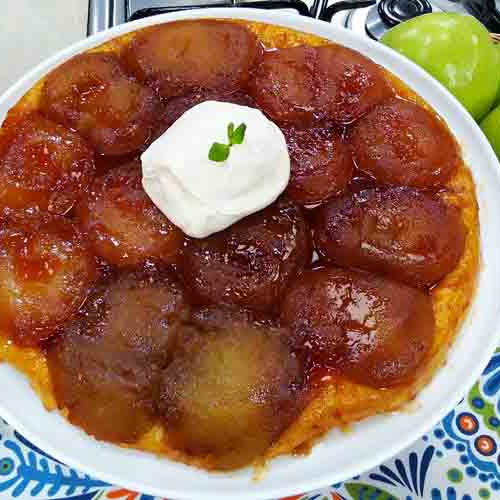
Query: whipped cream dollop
(202,196)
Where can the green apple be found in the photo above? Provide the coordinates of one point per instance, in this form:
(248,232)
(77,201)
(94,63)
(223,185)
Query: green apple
(457,50)
(497,100)
(491,128)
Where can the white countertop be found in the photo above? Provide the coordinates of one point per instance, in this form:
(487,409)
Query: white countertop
(32,30)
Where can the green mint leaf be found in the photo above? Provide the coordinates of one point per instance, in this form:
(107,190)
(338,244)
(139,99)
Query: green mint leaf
(239,134)
(230,132)
(218,152)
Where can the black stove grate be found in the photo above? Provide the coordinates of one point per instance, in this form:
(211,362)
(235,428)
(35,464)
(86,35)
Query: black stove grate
(105,14)
(297,5)
(328,11)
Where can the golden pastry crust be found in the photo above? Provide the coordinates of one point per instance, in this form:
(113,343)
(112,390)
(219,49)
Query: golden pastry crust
(339,401)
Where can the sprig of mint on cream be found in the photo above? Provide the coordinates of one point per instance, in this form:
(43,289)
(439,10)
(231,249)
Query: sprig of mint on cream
(220,152)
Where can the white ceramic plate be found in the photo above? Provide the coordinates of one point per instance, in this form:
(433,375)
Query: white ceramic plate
(339,455)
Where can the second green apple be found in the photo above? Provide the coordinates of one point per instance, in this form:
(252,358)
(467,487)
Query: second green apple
(457,50)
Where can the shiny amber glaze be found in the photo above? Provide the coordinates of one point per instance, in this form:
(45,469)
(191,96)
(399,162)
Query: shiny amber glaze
(336,401)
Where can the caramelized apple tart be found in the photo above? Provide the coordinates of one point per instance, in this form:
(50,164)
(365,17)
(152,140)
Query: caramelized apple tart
(335,303)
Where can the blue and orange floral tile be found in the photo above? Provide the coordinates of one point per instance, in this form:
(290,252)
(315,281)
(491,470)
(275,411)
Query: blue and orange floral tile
(458,460)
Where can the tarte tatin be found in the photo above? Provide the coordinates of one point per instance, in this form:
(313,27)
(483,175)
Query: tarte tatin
(232,349)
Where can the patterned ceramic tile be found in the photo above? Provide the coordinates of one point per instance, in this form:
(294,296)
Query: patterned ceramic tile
(458,460)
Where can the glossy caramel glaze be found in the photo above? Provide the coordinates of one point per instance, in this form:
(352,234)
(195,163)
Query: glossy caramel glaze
(43,165)
(349,84)
(304,84)
(92,94)
(251,263)
(46,269)
(284,85)
(365,326)
(321,165)
(175,58)
(175,107)
(335,399)
(124,227)
(412,236)
(402,143)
